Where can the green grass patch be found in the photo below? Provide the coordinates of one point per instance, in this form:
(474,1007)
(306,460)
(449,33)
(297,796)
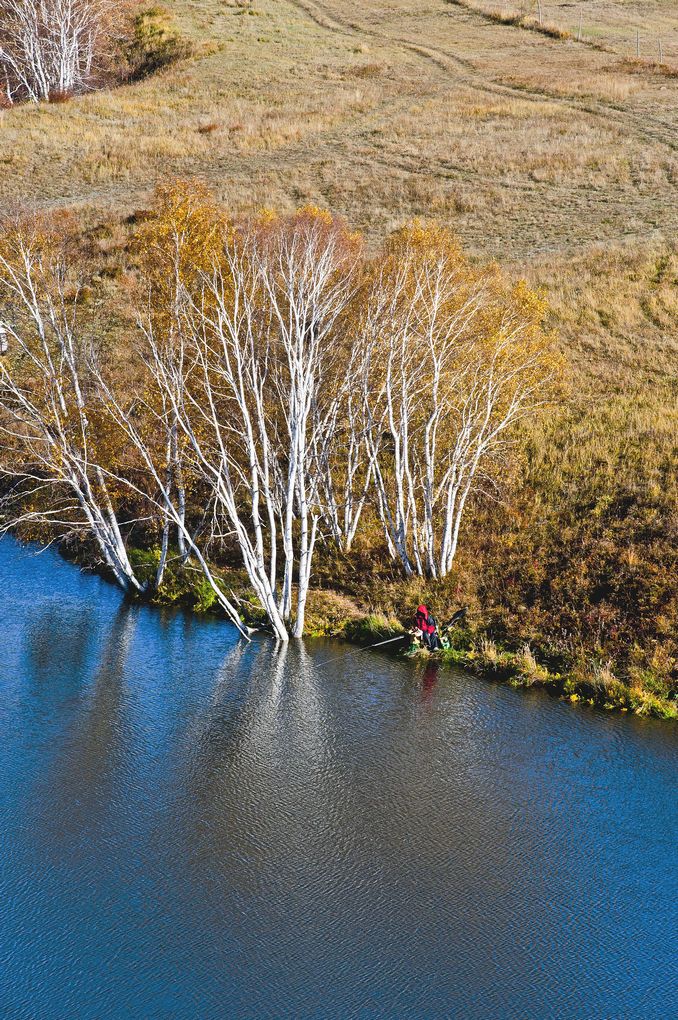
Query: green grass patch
(372,628)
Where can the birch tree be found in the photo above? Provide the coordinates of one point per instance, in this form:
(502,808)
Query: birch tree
(455,360)
(343,460)
(278,384)
(221,410)
(182,243)
(266,345)
(50,47)
(47,404)
(148,427)
(307,270)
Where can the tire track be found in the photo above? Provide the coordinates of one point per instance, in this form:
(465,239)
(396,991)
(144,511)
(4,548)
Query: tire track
(465,72)
(362,154)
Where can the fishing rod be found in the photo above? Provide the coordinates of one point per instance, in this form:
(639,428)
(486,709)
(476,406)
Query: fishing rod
(456,618)
(357,651)
(398,637)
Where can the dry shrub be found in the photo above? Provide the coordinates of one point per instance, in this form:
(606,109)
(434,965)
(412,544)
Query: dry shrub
(602,86)
(603,679)
(516,19)
(328,613)
(636,65)
(528,668)
(487,652)
(366,71)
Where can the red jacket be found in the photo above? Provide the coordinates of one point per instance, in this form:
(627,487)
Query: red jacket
(423,621)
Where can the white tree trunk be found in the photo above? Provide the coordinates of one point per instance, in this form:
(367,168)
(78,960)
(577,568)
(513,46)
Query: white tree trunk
(46,425)
(49,47)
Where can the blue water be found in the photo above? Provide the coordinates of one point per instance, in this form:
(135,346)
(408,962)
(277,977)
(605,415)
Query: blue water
(196,828)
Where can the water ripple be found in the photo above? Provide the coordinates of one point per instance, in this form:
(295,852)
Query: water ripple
(193,828)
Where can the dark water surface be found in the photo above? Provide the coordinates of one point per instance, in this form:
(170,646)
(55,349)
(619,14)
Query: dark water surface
(193,828)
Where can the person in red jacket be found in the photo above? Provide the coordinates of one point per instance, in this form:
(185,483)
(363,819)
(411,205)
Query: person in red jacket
(426,623)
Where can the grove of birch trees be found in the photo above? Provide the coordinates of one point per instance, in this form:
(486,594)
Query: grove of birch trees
(281,389)
(52,48)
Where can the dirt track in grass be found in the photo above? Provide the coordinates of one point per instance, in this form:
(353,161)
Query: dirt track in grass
(546,154)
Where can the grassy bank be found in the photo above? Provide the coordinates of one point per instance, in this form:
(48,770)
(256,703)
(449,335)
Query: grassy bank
(587,680)
(589,683)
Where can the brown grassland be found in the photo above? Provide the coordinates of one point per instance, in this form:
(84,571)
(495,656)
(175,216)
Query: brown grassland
(554,155)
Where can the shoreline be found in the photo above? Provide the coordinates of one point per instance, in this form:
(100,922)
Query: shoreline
(480,655)
(334,614)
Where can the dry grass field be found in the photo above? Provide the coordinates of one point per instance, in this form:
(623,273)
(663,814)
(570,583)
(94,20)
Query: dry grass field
(541,152)
(556,156)
(383,110)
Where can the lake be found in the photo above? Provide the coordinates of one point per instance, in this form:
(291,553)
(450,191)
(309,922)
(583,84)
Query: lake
(194,827)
